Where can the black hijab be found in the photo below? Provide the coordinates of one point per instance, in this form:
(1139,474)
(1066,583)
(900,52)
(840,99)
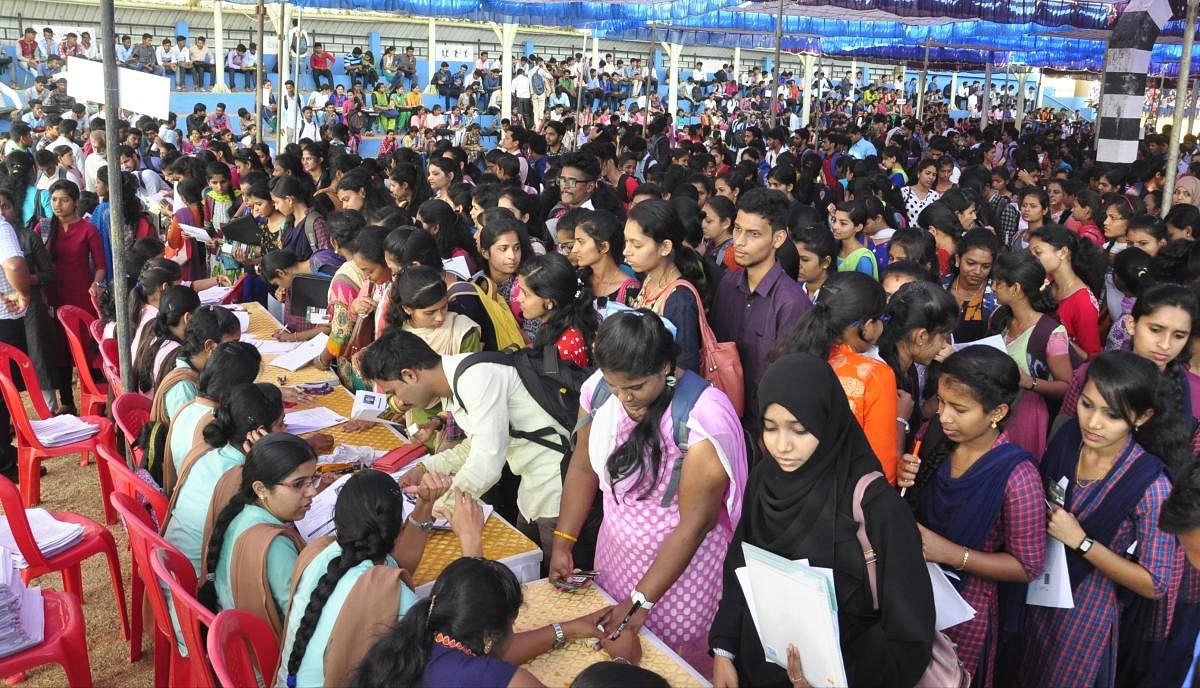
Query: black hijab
(801,513)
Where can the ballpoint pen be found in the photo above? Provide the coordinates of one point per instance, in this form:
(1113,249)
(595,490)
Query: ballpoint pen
(625,622)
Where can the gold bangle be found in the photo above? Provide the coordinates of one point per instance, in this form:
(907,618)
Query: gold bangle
(966,555)
(566,536)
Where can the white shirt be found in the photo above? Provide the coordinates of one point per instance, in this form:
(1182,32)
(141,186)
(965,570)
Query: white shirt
(64,141)
(91,166)
(181,55)
(165,56)
(11,248)
(308,130)
(317,100)
(91,52)
(521,86)
(493,400)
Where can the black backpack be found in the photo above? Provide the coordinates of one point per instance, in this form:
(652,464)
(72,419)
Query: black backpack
(552,382)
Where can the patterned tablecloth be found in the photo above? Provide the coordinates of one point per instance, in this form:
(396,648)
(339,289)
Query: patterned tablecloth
(545,604)
(501,542)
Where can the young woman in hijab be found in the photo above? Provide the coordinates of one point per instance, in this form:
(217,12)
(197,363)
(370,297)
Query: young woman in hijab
(799,504)
(980,503)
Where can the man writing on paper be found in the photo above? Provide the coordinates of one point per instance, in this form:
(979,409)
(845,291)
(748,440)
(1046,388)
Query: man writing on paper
(487,401)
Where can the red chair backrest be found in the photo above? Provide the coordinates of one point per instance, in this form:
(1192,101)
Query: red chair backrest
(96,328)
(131,412)
(112,374)
(95,302)
(110,352)
(235,292)
(14,513)
(175,571)
(238,642)
(143,539)
(128,483)
(75,322)
(11,356)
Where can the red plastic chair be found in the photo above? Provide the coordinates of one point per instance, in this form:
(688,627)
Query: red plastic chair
(143,539)
(242,647)
(95,303)
(75,322)
(96,328)
(30,450)
(235,291)
(175,571)
(109,352)
(126,482)
(64,642)
(96,540)
(131,412)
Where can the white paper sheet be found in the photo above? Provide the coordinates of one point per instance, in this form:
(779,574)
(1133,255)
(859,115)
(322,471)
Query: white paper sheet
(300,356)
(198,233)
(372,406)
(951,608)
(795,605)
(996,341)
(270,347)
(319,519)
(311,420)
(458,266)
(1052,588)
(213,295)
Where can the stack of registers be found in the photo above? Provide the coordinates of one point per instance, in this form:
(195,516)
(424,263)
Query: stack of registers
(59,430)
(21,613)
(52,536)
(794,603)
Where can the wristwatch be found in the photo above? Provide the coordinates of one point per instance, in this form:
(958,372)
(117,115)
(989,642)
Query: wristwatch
(424,526)
(1085,546)
(640,600)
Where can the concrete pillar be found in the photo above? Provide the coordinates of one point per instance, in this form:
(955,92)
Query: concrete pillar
(181,29)
(810,62)
(219,48)
(953,90)
(595,52)
(1019,113)
(985,102)
(1123,93)
(527,48)
(375,45)
(432,61)
(737,63)
(674,51)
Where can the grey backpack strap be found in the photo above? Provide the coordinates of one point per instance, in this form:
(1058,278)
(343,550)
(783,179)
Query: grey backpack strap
(599,395)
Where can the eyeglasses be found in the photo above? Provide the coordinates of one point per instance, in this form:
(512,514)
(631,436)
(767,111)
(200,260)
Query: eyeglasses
(302,483)
(571,183)
(566,246)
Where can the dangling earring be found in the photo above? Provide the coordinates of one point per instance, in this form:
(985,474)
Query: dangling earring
(487,645)
(671,381)
(995,423)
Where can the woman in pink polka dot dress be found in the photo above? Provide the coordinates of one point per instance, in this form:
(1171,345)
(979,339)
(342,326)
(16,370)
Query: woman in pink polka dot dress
(668,519)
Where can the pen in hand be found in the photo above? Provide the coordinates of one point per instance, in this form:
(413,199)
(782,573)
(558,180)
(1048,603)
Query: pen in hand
(625,622)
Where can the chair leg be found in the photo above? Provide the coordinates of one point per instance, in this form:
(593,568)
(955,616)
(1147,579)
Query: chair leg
(162,660)
(137,594)
(31,478)
(75,663)
(114,570)
(73,583)
(83,458)
(106,489)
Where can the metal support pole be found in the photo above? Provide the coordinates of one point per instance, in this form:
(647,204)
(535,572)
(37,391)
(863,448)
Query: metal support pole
(505,33)
(282,54)
(920,112)
(431,62)
(737,63)
(1185,71)
(1019,113)
(775,75)
(112,104)
(260,74)
(299,59)
(985,102)
(674,50)
(1191,128)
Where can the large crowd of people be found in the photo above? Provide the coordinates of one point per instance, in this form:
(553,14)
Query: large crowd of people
(1003,328)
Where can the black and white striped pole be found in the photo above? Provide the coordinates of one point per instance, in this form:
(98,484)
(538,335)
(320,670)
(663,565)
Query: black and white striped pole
(1123,93)
(1181,89)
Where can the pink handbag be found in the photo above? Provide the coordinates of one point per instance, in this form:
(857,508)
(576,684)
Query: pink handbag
(720,362)
(944,670)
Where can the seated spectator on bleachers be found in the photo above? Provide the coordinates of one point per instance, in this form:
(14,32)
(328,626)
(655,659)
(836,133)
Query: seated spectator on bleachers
(58,100)
(91,51)
(250,65)
(124,53)
(198,120)
(389,65)
(165,54)
(144,57)
(321,63)
(235,63)
(320,96)
(182,57)
(47,45)
(202,63)
(218,120)
(36,117)
(20,138)
(354,65)
(28,56)
(70,47)
(408,66)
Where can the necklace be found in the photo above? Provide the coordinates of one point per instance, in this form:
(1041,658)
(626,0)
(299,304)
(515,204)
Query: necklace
(446,641)
(974,295)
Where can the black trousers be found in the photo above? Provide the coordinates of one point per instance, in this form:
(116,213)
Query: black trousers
(12,332)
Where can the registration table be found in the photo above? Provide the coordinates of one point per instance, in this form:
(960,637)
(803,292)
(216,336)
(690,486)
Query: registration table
(544,604)
(501,541)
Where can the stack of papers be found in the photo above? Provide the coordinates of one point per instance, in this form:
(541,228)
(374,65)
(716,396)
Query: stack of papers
(996,341)
(352,453)
(793,603)
(311,420)
(239,313)
(950,607)
(60,430)
(213,295)
(52,536)
(300,356)
(270,347)
(21,611)
(198,233)
(410,503)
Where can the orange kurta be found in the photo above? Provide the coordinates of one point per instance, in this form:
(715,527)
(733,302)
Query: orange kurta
(871,389)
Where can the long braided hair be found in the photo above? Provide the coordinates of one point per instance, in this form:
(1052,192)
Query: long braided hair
(368,516)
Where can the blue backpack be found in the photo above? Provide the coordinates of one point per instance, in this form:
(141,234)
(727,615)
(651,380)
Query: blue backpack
(687,393)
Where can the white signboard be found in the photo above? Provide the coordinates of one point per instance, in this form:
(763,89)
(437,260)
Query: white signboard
(143,93)
(454,52)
